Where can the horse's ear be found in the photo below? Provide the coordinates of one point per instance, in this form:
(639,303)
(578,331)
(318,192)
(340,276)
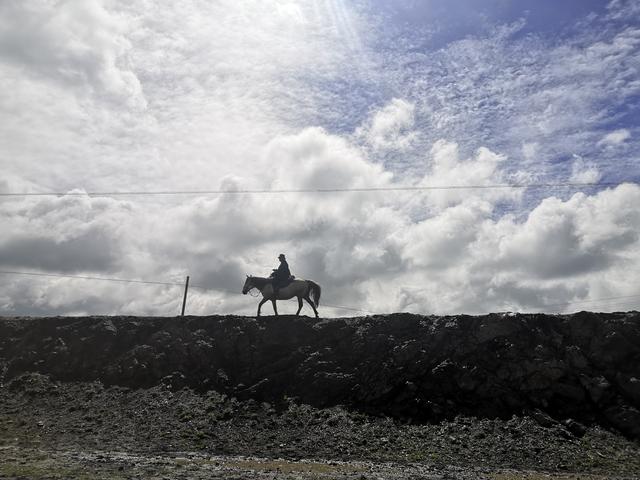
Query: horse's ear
(247,276)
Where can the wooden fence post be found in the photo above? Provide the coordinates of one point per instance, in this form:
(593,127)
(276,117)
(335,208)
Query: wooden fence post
(184,300)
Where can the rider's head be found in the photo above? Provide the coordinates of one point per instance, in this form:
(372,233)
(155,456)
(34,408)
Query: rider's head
(281,257)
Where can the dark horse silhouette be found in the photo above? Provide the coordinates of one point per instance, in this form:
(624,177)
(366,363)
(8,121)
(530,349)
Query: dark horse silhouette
(303,289)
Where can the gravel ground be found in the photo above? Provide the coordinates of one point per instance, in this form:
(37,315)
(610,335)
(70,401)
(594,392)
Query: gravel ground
(85,430)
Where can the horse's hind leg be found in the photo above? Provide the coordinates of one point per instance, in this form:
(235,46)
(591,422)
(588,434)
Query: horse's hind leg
(310,302)
(299,306)
(260,305)
(275,309)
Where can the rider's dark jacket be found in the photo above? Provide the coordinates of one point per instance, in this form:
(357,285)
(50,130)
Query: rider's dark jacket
(282,274)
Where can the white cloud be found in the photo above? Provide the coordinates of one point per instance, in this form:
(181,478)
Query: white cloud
(572,241)
(70,233)
(466,261)
(584,172)
(313,159)
(390,127)
(624,10)
(366,250)
(219,79)
(615,138)
(76,42)
(438,241)
(482,170)
(505,92)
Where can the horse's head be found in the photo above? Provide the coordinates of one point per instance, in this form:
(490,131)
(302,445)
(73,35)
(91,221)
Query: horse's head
(248,285)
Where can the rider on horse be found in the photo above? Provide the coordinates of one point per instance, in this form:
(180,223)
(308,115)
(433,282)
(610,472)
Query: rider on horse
(281,275)
(302,289)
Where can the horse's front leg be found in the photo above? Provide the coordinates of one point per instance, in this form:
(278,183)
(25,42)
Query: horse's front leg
(260,305)
(299,306)
(275,309)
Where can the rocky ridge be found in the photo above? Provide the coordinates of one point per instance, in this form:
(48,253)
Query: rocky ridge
(576,370)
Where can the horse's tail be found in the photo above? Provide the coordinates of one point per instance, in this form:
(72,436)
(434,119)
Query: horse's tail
(314,290)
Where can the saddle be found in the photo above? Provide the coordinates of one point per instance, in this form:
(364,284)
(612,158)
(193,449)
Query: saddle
(281,283)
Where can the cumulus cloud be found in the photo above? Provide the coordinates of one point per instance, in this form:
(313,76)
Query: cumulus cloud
(219,80)
(439,241)
(391,126)
(67,234)
(370,252)
(447,169)
(367,251)
(76,42)
(558,254)
(91,251)
(333,238)
(572,241)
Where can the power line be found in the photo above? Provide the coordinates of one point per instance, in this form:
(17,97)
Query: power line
(612,306)
(111,279)
(350,308)
(83,277)
(597,301)
(579,302)
(321,190)
(126,280)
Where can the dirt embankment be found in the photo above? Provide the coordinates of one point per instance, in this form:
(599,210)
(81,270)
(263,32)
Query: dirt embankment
(583,369)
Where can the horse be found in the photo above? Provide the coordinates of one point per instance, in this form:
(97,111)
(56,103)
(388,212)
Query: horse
(297,288)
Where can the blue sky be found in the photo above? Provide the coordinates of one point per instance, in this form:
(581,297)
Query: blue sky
(456,19)
(111,95)
(492,70)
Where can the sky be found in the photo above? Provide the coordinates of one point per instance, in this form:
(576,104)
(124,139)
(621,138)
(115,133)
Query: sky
(103,96)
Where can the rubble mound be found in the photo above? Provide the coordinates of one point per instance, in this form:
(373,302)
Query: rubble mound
(580,369)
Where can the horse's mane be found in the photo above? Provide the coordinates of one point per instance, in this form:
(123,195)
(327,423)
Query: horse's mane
(260,282)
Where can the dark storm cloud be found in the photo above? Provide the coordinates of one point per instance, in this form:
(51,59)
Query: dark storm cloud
(217,272)
(92,251)
(28,305)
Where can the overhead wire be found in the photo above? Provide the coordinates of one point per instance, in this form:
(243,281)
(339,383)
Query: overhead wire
(350,308)
(84,277)
(111,279)
(320,190)
(126,280)
(303,190)
(607,306)
(599,302)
